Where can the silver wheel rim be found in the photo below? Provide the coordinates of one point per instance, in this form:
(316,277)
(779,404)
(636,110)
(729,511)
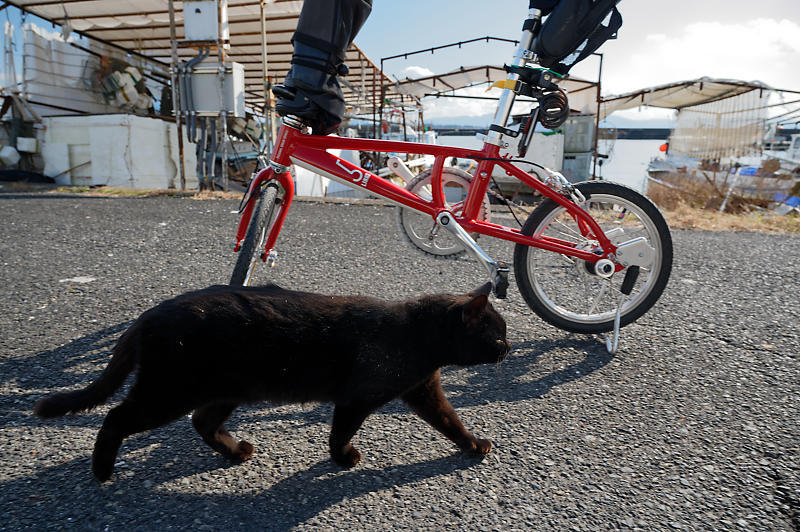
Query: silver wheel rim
(254,259)
(418,226)
(565,286)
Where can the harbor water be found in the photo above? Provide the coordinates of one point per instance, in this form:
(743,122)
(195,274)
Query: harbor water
(626,164)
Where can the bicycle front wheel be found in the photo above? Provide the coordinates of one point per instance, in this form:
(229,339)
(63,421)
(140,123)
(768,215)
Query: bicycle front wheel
(253,243)
(565,291)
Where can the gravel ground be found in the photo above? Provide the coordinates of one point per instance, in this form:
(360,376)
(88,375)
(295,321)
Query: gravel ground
(693,425)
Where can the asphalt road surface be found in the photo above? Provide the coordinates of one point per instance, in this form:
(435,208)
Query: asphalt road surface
(692,425)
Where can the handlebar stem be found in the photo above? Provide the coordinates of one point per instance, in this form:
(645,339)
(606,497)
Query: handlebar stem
(506,101)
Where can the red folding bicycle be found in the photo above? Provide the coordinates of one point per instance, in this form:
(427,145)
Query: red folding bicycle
(590,258)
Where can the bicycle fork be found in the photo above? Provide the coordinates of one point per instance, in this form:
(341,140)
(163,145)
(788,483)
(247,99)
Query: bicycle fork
(498,271)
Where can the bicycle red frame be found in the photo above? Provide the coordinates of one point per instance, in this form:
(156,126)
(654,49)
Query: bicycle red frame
(295,147)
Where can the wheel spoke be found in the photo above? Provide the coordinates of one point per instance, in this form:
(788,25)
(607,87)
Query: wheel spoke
(582,301)
(600,295)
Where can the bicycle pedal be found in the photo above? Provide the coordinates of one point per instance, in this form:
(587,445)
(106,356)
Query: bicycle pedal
(500,285)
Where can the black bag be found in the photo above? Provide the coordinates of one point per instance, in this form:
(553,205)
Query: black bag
(573,26)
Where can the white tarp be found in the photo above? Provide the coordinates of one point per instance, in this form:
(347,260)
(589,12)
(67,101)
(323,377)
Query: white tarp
(142,26)
(582,94)
(681,94)
(121,150)
(56,75)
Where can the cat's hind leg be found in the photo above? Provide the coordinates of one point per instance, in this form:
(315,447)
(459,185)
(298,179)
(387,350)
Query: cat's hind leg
(346,421)
(130,417)
(428,401)
(209,422)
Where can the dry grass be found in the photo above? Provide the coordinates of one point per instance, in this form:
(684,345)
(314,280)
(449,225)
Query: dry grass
(686,217)
(680,210)
(696,206)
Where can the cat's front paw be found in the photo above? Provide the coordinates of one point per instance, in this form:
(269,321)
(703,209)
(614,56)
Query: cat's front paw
(478,448)
(348,457)
(244,451)
(483,447)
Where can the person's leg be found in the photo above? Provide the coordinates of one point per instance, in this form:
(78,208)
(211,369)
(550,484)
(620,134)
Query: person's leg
(311,90)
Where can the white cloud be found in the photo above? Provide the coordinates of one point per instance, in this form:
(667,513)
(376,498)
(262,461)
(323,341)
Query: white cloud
(447,107)
(416,72)
(762,49)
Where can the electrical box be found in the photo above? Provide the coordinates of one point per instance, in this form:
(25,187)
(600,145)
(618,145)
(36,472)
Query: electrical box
(201,21)
(210,98)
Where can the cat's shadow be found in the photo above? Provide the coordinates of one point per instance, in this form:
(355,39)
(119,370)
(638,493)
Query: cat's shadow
(85,358)
(77,362)
(287,503)
(302,494)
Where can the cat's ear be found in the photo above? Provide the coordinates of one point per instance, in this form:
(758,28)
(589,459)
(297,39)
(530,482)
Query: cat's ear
(484,290)
(474,307)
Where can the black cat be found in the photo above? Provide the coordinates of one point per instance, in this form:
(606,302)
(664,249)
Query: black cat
(211,350)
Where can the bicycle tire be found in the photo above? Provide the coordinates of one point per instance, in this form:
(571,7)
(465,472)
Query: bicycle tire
(250,251)
(415,226)
(547,280)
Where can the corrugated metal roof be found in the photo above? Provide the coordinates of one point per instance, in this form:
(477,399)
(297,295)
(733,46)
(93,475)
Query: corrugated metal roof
(143,27)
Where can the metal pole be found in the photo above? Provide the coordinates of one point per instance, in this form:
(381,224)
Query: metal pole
(597,118)
(380,104)
(267,128)
(223,114)
(374,108)
(175,96)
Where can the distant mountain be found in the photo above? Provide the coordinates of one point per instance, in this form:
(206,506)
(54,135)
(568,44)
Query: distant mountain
(463,121)
(610,122)
(629,123)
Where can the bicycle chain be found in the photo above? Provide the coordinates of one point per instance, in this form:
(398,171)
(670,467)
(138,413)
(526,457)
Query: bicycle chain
(508,202)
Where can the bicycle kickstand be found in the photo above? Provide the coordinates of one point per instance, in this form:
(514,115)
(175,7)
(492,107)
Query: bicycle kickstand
(498,271)
(627,286)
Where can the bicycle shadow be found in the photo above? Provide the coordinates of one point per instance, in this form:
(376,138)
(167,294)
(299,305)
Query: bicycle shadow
(509,380)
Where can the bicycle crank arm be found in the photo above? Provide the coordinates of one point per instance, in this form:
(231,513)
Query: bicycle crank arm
(498,271)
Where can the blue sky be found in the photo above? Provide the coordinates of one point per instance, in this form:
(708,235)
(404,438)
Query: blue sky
(659,42)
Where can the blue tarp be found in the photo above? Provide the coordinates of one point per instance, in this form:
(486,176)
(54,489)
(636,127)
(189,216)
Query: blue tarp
(791,201)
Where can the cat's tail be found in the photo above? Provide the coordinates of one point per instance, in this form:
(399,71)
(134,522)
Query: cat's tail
(121,364)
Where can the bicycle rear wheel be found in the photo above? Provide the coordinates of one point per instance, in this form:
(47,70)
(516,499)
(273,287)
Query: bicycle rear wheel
(253,243)
(565,291)
(417,227)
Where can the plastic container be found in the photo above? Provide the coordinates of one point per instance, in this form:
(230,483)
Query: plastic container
(253,128)
(27,144)
(127,95)
(239,125)
(9,156)
(578,133)
(577,166)
(142,102)
(134,74)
